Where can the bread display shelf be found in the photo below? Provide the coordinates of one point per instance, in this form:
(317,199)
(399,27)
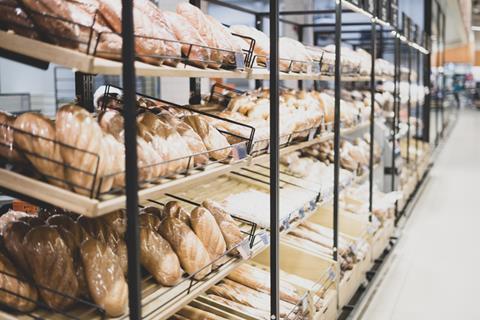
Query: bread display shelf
(78,61)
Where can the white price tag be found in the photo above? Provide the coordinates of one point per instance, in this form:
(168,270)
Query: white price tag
(265,238)
(244,250)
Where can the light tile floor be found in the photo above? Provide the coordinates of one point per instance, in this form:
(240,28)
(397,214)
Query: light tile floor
(435,270)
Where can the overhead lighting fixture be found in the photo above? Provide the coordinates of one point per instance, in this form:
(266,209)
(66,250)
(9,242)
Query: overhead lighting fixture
(476,28)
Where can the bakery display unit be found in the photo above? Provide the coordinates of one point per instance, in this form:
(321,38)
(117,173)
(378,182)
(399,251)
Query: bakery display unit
(239,154)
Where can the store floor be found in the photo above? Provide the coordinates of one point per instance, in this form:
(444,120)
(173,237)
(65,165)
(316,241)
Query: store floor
(435,270)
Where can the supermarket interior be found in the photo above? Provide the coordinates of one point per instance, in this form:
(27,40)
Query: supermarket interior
(239,159)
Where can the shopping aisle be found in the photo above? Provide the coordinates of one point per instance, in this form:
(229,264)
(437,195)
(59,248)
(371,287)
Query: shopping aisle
(434,272)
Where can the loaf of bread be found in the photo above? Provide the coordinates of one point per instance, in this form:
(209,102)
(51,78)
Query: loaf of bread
(184,31)
(173,209)
(117,220)
(259,280)
(166,142)
(193,313)
(204,28)
(7,149)
(111,122)
(149,29)
(262,41)
(14,291)
(112,155)
(260,314)
(13,241)
(81,143)
(231,232)
(153,210)
(149,220)
(158,257)
(215,142)
(59,31)
(105,279)
(52,267)
(226,41)
(193,256)
(193,140)
(69,224)
(36,136)
(15,19)
(97,229)
(208,231)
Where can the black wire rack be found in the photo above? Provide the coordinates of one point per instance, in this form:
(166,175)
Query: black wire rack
(97,40)
(221,95)
(41,309)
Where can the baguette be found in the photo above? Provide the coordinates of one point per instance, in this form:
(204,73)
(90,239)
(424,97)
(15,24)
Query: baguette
(261,314)
(193,313)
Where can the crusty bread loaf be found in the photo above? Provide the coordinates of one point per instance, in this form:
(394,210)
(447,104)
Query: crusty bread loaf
(16,293)
(193,256)
(117,220)
(36,138)
(226,41)
(7,148)
(193,140)
(193,313)
(215,142)
(13,241)
(208,231)
(69,224)
(52,267)
(15,19)
(149,220)
(173,209)
(262,42)
(105,279)
(59,31)
(81,139)
(186,32)
(158,257)
(204,28)
(231,232)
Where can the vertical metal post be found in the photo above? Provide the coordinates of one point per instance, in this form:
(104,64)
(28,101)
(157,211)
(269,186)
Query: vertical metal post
(84,90)
(409,103)
(274,163)
(195,83)
(444,79)
(437,77)
(131,176)
(259,26)
(300,39)
(417,110)
(336,125)
(396,66)
(373,44)
(427,69)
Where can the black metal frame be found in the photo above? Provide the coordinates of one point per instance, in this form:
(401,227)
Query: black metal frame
(130,112)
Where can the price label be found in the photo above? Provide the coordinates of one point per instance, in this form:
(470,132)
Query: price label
(301,213)
(239,60)
(265,238)
(331,274)
(312,133)
(244,250)
(240,151)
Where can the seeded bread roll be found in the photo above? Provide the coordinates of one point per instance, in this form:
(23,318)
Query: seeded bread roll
(192,254)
